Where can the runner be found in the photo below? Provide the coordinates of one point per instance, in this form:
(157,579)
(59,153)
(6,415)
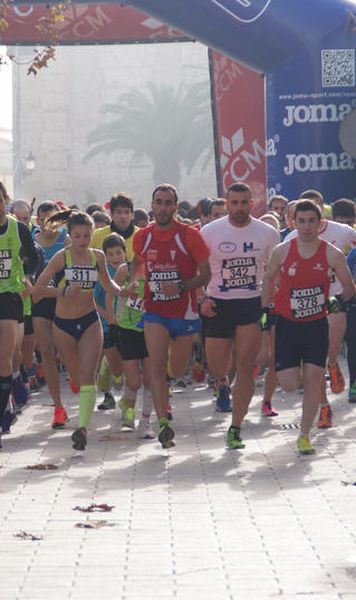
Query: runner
(77,330)
(342,237)
(350,336)
(51,240)
(175,260)
(114,249)
(239,247)
(303,265)
(17,252)
(122,214)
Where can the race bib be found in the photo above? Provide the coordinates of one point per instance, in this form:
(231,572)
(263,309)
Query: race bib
(157,278)
(5,264)
(85,277)
(306,302)
(135,303)
(239,273)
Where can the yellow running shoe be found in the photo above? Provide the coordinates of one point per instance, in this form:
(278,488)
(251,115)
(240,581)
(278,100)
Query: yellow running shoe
(304,445)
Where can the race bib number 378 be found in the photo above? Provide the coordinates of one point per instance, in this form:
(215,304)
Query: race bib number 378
(306,302)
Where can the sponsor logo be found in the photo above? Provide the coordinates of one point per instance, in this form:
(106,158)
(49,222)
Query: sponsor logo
(245,11)
(226,73)
(318,267)
(247,247)
(227,247)
(316,113)
(237,160)
(321,162)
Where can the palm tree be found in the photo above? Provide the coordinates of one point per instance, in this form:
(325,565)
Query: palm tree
(169,125)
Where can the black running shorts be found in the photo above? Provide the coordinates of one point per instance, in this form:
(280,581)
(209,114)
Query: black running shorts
(231,314)
(11,307)
(132,345)
(298,343)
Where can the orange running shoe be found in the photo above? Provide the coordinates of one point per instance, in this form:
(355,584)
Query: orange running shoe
(337,381)
(325,420)
(60,417)
(75,388)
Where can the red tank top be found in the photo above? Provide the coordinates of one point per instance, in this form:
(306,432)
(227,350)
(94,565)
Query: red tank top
(168,260)
(304,285)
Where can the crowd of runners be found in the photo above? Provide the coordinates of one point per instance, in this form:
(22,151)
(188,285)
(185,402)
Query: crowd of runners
(128,301)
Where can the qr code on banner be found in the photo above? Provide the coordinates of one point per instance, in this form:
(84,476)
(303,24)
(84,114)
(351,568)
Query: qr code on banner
(338,68)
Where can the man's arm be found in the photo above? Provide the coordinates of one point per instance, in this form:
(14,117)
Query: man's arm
(272,269)
(337,262)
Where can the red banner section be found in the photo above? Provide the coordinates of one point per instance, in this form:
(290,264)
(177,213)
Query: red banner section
(85,24)
(239,122)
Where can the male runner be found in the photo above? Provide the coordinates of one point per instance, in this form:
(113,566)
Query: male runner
(301,303)
(343,237)
(239,248)
(175,260)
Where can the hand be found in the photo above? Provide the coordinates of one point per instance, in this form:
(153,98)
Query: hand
(208,307)
(131,290)
(28,288)
(265,320)
(170,288)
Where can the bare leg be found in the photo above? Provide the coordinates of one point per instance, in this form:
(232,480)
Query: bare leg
(247,344)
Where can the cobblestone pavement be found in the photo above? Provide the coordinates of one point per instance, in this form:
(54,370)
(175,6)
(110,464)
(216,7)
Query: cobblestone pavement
(197,521)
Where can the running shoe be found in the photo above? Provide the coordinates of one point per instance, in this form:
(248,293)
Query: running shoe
(166,434)
(325,420)
(145,431)
(19,391)
(352,393)
(75,388)
(34,385)
(233,439)
(180,383)
(108,403)
(223,401)
(40,375)
(337,381)
(127,415)
(267,410)
(169,412)
(79,439)
(9,419)
(198,371)
(304,445)
(60,417)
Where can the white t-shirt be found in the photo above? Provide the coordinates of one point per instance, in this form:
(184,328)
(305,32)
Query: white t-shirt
(237,257)
(339,235)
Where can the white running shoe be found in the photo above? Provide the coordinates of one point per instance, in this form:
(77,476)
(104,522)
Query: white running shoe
(145,431)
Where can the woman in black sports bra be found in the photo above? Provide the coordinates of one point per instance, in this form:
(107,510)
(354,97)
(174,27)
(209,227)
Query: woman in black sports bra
(77,329)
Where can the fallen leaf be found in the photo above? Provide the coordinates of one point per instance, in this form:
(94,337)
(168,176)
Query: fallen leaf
(43,467)
(25,535)
(348,483)
(94,508)
(94,525)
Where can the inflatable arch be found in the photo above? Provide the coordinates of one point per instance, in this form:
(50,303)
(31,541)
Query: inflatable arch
(282,79)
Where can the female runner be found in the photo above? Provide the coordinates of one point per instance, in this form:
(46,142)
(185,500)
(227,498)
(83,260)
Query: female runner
(77,329)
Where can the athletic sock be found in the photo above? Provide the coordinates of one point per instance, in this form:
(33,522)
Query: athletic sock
(129,394)
(147,402)
(87,399)
(5,391)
